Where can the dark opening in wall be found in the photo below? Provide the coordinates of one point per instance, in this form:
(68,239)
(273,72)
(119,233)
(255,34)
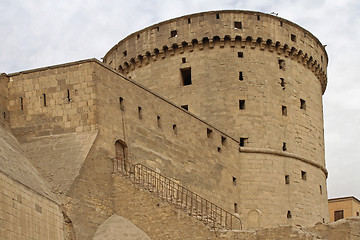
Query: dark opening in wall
(4,114)
(175,129)
(323,220)
(68,96)
(320,189)
(235,208)
(234,181)
(240,54)
(157,28)
(183,60)
(223,141)
(186,107)
(288,214)
(287,179)
(209,133)
(284,110)
(138,36)
(125,53)
(158,121)
(140,113)
(241,77)
(238,25)
(282,82)
(339,214)
(357,214)
(186,76)
(121,101)
(173,33)
(303,175)
(322,59)
(302,104)
(44,99)
(217,16)
(281,64)
(293,37)
(189,20)
(242,141)
(258,17)
(284,146)
(21,103)
(241,104)
(219,149)
(281,23)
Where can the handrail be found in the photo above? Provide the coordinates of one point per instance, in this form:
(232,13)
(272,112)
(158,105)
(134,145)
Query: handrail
(172,192)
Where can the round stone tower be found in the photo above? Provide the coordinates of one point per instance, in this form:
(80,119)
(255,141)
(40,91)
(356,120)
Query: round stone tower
(258,78)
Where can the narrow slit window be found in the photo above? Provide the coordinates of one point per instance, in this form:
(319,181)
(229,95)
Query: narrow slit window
(234,181)
(284,146)
(235,208)
(21,103)
(293,37)
(320,189)
(158,121)
(282,82)
(140,113)
(357,214)
(183,60)
(68,96)
(284,110)
(281,64)
(121,101)
(4,114)
(138,36)
(238,25)
(303,175)
(287,179)
(189,20)
(241,76)
(217,16)
(186,76)
(258,17)
(125,53)
(242,142)
(209,133)
(281,23)
(241,104)
(44,99)
(223,141)
(219,149)
(288,214)
(302,104)
(175,129)
(173,33)
(322,58)
(240,54)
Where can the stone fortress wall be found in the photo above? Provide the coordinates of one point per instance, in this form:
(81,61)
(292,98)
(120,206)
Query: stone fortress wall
(62,107)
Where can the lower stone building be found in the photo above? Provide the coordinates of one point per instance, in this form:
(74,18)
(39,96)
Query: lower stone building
(343,207)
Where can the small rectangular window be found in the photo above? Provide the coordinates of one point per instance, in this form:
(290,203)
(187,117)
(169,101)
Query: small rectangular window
(287,179)
(284,110)
(21,103)
(241,104)
(189,20)
(282,82)
(183,60)
(258,17)
(223,141)
(121,101)
(284,146)
(357,214)
(281,23)
(339,214)
(320,189)
(235,208)
(293,37)
(303,175)
(173,33)
(186,107)
(140,113)
(217,16)
(44,99)
(125,53)
(68,96)
(158,121)
(209,133)
(242,142)
(138,36)
(234,181)
(288,214)
(302,104)
(240,54)
(281,64)
(219,149)
(186,76)
(241,77)
(237,25)
(175,129)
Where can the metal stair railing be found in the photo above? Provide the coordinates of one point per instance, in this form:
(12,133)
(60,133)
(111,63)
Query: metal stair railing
(172,192)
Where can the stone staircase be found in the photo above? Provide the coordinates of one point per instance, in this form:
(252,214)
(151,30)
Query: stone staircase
(177,195)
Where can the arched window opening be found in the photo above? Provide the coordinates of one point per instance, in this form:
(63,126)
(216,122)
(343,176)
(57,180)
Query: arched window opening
(121,161)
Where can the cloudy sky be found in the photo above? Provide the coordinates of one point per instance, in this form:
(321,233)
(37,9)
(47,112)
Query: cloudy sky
(37,33)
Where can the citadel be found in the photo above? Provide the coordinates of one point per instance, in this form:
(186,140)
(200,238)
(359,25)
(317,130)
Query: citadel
(204,124)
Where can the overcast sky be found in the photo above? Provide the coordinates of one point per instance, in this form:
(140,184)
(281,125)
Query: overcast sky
(37,33)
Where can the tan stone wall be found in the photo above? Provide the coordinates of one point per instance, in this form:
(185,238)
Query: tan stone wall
(193,159)
(25,215)
(61,114)
(4,113)
(350,206)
